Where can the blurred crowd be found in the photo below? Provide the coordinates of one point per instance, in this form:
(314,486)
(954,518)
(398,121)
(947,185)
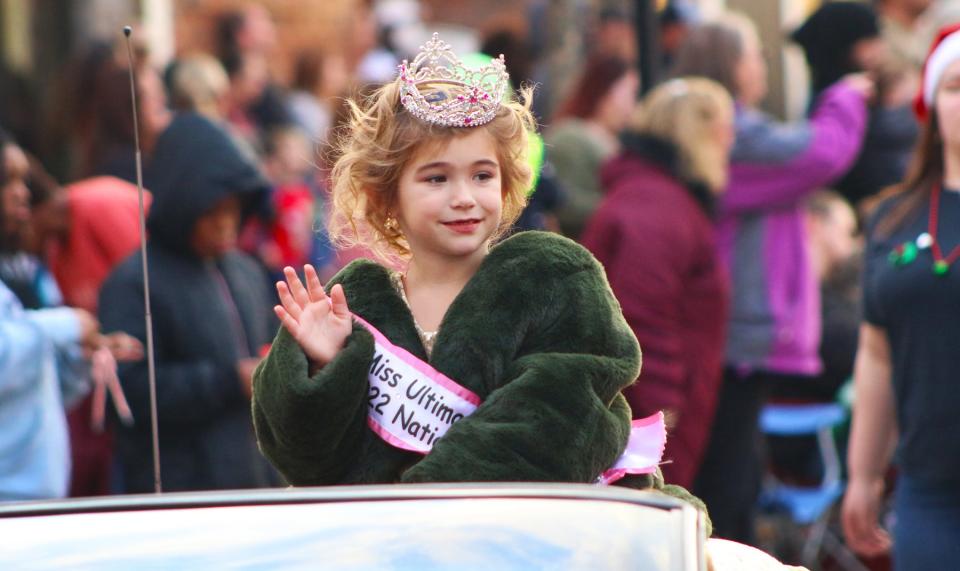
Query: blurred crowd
(731,239)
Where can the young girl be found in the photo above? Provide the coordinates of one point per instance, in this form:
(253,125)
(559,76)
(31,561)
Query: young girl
(514,353)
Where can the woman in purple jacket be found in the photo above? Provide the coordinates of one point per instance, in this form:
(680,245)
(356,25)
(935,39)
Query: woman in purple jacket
(774,326)
(654,234)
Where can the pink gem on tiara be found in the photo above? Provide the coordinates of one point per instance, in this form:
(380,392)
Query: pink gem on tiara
(437,88)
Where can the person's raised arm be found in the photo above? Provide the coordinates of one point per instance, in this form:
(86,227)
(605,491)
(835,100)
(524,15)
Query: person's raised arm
(836,130)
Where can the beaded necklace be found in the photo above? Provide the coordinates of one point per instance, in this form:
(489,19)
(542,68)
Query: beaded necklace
(907,252)
(940,264)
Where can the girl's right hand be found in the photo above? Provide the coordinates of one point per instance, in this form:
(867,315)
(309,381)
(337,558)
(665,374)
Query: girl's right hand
(319,323)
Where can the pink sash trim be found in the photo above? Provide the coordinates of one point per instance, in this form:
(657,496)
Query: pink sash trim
(389,438)
(425,369)
(648,438)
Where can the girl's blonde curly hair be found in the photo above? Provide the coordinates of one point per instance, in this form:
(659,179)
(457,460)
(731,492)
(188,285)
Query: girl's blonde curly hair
(379,140)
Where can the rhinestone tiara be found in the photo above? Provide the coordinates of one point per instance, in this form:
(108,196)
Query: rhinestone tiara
(437,88)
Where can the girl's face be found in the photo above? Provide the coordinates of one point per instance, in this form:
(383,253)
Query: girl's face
(948,106)
(449,200)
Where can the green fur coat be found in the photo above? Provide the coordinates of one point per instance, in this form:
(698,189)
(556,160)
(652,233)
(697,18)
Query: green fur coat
(536,333)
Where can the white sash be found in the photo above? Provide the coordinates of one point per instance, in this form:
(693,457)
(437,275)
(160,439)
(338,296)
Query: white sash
(411,405)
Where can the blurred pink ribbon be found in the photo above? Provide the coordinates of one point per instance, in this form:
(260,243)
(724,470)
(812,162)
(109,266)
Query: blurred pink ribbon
(644,452)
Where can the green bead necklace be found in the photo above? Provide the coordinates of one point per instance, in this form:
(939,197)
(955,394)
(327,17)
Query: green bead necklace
(907,252)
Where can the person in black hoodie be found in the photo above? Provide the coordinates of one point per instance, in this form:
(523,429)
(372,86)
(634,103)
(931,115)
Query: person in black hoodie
(211,315)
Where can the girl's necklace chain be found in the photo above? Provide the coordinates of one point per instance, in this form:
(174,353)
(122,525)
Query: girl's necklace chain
(426,337)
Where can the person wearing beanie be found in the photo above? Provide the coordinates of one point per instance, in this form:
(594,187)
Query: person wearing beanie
(905,379)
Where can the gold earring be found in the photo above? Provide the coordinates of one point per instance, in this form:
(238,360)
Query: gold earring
(391,224)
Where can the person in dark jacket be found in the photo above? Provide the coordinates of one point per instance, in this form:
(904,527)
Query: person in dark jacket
(654,234)
(211,315)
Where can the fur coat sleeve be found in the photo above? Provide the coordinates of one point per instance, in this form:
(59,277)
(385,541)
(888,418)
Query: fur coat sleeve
(311,428)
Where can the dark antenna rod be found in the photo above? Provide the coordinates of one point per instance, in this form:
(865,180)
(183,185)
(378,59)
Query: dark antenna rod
(151,370)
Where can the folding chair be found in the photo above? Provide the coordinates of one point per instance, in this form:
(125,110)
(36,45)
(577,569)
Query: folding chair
(810,507)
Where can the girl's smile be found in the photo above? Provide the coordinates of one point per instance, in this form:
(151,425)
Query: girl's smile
(450,199)
(464,226)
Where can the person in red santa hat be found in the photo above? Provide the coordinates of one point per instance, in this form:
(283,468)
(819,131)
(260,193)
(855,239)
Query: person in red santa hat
(905,377)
